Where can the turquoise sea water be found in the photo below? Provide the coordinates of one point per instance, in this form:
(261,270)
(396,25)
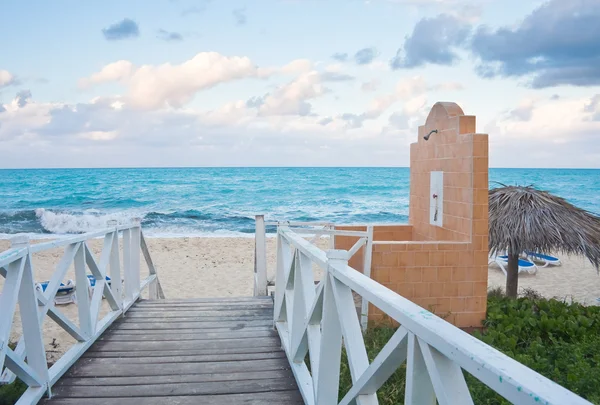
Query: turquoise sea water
(223,201)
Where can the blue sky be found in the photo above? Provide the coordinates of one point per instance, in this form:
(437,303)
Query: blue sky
(296,82)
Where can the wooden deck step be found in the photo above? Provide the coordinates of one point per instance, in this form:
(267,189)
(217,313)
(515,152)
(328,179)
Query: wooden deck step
(180,352)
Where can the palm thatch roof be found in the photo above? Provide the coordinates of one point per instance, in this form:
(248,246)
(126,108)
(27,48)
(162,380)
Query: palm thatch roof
(524,218)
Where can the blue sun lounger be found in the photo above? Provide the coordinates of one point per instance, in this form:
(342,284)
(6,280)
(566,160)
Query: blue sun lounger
(546,259)
(64,295)
(524,265)
(92,283)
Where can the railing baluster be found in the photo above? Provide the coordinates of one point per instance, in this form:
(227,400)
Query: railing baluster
(135,255)
(115,270)
(284,260)
(446,376)
(364,306)
(419,390)
(81,291)
(331,339)
(127,271)
(32,329)
(260,257)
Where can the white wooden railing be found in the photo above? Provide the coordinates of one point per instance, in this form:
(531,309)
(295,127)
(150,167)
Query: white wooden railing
(316,229)
(16,267)
(317,321)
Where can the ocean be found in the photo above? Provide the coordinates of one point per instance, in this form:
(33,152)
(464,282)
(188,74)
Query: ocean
(175,202)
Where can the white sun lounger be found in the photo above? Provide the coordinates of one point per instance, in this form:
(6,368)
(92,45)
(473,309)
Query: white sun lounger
(541,258)
(64,295)
(525,266)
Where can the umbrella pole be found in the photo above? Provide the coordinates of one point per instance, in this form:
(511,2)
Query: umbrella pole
(512,275)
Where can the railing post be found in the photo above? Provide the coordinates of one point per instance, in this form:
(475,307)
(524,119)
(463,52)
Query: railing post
(135,254)
(127,272)
(260,258)
(115,265)
(28,307)
(331,337)
(364,307)
(81,292)
(331,237)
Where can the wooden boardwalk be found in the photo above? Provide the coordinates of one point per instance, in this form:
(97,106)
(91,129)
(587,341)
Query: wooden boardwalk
(194,351)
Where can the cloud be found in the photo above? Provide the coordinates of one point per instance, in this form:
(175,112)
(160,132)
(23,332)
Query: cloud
(340,57)
(23,97)
(332,76)
(239,15)
(99,133)
(199,8)
(291,98)
(558,133)
(523,112)
(410,90)
(255,102)
(433,40)
(398,120)
(169,36)
(6,78)
(124,29)
(157,86)
(593,107)
(557,44)
(113,72)
(370,86)
(365,56)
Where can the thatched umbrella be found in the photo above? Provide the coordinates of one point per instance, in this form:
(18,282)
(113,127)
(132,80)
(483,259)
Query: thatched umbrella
(527,219)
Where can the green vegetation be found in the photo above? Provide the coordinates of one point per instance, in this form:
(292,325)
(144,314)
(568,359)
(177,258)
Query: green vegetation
(10,393)
(559,340)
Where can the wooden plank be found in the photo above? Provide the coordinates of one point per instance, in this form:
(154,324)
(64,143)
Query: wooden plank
(140,370)
(114,331)
(207,300)
(175,379)
(200,313)
(279,397)
(204,307)
(178,389)
(177,335)
(195,352)
(187,358)
(184,344)
(167,318)
(233,325)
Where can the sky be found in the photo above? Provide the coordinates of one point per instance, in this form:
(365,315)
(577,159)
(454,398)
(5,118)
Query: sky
(294,82)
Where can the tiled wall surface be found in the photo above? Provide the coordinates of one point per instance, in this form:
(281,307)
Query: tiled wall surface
(443,269)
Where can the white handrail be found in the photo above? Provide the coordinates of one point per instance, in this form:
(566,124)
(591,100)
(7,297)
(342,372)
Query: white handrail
(16,266)
(316,322)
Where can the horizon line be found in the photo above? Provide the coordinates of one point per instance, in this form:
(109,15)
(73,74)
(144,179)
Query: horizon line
(272,167)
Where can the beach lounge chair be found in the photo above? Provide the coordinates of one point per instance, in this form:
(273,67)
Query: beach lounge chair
(524,265)
(541,258)
(92,283)
(65,294)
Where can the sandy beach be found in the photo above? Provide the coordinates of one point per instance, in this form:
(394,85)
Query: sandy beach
(223,267)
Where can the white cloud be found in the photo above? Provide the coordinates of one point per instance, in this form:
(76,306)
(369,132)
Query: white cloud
(158,86)
(291,98)
(6,78)
(545,133)
(370,86)
(118,71)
